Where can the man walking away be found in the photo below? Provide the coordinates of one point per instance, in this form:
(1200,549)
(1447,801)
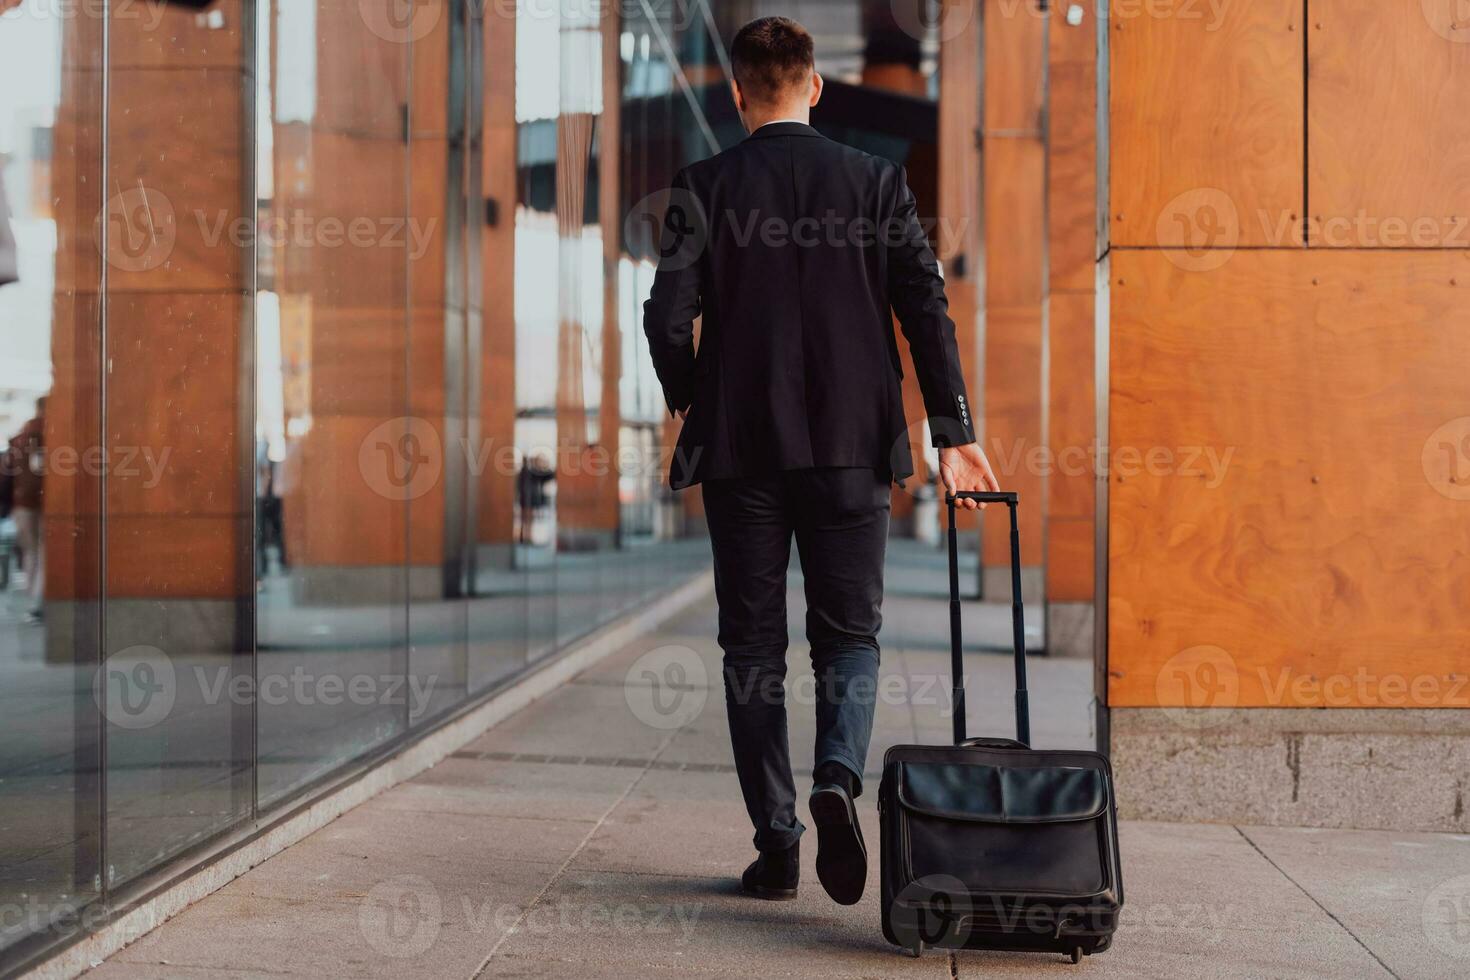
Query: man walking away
(794,249)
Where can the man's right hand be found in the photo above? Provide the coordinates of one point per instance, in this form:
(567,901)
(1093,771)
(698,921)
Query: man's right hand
(966,468)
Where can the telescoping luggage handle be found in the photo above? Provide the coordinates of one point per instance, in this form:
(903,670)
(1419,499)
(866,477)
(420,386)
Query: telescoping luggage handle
(1018,625)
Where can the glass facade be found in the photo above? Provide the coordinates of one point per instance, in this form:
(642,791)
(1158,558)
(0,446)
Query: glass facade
(325,393)
(327,403)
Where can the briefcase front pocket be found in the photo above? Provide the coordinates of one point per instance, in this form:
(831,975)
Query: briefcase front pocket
(1029,831)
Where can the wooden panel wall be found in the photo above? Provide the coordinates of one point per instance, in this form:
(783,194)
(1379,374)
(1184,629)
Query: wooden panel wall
(497,270)
(1210,101)
(1015,266)
(1288,423)
(960,243)
(1326,550)
(1072,258)
(1390,124)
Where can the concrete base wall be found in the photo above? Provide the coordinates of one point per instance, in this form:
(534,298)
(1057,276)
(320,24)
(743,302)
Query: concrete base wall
(1362,768)
(370,585)
(1069,629)
(996,580)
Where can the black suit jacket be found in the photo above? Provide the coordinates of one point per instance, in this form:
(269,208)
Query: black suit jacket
(794,248)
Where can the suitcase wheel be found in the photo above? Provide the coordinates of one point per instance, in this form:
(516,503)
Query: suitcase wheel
(1076,955)
(915,948)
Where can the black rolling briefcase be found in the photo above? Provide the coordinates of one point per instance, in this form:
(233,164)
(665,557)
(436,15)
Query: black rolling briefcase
(988,843)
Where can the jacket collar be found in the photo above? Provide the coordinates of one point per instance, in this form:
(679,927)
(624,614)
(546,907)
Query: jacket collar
(783,129)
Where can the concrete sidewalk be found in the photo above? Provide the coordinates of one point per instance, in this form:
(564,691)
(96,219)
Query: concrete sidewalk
(588,836)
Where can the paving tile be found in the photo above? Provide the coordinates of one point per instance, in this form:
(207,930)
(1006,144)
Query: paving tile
(576,719)
(1404,896)
(652,925)
(578,839)
(1201,902)
(403,927)
(513,789)
(351,855)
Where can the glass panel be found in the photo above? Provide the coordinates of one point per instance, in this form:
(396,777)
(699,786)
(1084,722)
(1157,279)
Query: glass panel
(439,367)
(50,467)
(179,584)
(380,426)
(584,523)
(497,624)
(338,456)
(537,283)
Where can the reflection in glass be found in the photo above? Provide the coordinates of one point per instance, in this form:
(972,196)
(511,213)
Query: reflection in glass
(50,469)
(331,360)
(380,427)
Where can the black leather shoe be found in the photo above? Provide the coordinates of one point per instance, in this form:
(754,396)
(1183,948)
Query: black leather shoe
(842,860)
(774,874)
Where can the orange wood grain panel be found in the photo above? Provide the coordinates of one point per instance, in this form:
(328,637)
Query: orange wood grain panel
(430,68)
(196,190)
(959,160)
(355,359)
(334,516)
(173,404)
(74,418)
(1389,131)
(1072,404)
(960,241)
(159,35)
(175,557)
(347,194)
(362,64)
(1013,438)
(1015,233)
(1015,66)
(76,196)
(1070,569)
(496,515)
(1072,152)
(1015,222)
(424,249)
(1330,563)
(1210,102)
(426,368)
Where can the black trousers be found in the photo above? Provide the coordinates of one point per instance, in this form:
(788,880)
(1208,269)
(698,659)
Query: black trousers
(840,520)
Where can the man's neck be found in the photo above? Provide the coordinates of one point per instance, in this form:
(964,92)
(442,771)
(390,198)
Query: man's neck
(801,114)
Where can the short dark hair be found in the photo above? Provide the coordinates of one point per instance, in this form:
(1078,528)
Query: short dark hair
(771,55)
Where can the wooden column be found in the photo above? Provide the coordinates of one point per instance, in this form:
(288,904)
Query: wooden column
(177,308)
(344,321)
(1072,259)
(497,271)
(1015,56)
